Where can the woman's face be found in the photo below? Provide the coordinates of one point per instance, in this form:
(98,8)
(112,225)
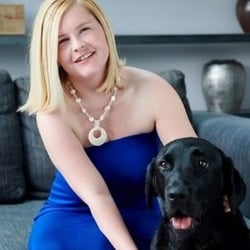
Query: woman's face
(82,47)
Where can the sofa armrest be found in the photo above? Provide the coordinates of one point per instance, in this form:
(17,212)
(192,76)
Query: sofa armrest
(232,135)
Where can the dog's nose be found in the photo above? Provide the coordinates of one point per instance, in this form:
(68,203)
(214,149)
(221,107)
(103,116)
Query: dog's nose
(177,195)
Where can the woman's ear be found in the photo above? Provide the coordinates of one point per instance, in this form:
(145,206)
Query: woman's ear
(234,186)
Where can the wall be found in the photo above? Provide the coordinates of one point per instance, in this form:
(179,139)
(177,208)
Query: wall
(171,16)
(160,17)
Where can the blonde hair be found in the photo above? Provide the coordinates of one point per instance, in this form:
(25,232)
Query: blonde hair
(47,80)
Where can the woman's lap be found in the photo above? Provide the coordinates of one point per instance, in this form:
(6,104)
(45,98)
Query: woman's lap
(66,231)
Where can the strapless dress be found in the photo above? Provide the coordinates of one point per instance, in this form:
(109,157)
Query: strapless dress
(65,221)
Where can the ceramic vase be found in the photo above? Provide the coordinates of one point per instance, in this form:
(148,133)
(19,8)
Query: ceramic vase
(243,14)
(223,85)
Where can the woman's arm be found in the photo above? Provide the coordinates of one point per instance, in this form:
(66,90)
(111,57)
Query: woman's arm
(170,115)
(69,157)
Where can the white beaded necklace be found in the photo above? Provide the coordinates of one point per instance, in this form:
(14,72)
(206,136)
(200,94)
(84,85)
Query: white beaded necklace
(97,135)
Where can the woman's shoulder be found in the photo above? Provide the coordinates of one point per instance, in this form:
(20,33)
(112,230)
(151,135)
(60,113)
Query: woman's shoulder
(146,80)
(141,74)
(45,118)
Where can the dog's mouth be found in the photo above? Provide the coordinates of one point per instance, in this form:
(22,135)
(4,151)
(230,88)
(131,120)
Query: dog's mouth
(180,221)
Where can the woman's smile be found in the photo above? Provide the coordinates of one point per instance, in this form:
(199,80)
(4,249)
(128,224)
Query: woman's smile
(84,57)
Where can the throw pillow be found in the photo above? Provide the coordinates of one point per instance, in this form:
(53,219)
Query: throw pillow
(177,79)
(39,170)
(12,182)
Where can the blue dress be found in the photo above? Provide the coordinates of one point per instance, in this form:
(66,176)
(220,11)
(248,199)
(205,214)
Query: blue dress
(65,221)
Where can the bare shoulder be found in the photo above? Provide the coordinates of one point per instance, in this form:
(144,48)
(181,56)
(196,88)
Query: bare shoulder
(142,75)
(149,83)
(49,119)
(162,103)
(52,125)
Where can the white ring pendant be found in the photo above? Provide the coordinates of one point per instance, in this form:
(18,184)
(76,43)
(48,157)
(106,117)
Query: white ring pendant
(97,135)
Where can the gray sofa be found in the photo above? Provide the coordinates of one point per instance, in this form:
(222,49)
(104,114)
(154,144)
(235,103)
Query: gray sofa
(26,171)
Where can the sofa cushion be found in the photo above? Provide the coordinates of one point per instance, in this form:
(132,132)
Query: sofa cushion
(38,168)
(232,135)
(12,182)
(177,79)
(15,224)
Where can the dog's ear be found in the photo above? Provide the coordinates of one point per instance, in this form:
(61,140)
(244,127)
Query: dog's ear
(150,184)
(234,186)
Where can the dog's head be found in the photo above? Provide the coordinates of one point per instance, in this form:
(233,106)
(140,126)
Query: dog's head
(190,177)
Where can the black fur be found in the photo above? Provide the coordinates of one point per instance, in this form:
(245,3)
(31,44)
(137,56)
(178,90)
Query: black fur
(190,177)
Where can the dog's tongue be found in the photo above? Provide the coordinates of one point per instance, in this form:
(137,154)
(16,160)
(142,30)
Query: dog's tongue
(181,223)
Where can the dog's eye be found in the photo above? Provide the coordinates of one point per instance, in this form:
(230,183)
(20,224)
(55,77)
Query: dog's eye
(164,164)
(203,164)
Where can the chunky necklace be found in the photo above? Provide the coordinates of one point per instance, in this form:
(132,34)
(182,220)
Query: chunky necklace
(97,135)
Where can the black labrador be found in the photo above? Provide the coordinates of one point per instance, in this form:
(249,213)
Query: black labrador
(190,177)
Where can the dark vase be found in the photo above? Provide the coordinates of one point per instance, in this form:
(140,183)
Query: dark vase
(243,14)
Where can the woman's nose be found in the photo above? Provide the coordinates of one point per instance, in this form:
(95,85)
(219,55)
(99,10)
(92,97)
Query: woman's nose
(77,44)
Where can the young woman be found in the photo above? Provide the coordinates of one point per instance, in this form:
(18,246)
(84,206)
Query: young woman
(100,122)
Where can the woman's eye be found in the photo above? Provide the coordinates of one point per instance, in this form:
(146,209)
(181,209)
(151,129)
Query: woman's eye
(61,41)
(82,30)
